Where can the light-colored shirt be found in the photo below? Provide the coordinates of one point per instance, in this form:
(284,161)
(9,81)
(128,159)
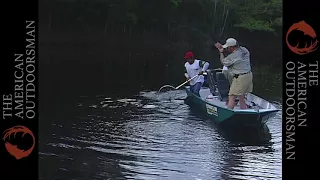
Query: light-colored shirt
(224,68)
(194,69)
(238,62)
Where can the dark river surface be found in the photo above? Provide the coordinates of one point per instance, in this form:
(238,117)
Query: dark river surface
(145,137)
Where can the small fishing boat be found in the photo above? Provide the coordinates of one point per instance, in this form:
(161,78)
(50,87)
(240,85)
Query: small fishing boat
(212,103)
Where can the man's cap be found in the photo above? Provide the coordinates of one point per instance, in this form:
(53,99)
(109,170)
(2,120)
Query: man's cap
(188,55)
(230,42)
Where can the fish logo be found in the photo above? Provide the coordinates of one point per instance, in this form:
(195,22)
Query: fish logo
(13,149)
(308,31)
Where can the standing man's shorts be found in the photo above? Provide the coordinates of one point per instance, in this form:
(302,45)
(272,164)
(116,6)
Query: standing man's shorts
(241,85)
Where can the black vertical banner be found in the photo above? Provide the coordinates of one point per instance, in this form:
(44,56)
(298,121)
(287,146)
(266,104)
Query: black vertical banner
(301,54)
(19,90)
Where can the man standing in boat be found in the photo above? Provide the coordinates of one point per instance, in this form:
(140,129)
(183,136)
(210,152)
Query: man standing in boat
(239,67)
(195,67)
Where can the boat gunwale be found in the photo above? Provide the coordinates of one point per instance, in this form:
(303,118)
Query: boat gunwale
(240,111)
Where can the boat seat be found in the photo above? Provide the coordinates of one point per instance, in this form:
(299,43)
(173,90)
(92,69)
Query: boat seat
(223,86)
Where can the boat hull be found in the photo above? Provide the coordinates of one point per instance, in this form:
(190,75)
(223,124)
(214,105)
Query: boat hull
(228,117)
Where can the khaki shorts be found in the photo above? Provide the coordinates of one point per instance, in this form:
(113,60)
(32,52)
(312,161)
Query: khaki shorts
(241,85)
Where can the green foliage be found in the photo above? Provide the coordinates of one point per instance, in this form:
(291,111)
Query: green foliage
(161,16)
(255,25)
(277,22)
(176,2)
(261,15)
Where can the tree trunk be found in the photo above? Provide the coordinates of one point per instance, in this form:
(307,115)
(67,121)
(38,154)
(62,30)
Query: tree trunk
(112,28)
(106,27)
(168,30)
(215,26)
(49,25)
(224,11)
(129,59)
(224,24)
(214,17)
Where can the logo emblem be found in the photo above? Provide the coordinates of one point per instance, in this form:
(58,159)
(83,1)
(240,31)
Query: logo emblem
(307,31)
(13,149)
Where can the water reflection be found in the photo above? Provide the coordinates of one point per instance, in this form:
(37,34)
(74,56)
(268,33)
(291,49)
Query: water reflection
(247,154)
(143,137)
(246,151)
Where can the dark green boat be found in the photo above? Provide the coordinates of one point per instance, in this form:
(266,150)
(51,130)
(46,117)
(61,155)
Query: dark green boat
(212,103)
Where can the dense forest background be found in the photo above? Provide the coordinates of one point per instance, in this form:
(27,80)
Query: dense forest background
(121,46)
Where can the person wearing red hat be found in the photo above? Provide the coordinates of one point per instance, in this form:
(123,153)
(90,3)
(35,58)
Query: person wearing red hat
(195,67)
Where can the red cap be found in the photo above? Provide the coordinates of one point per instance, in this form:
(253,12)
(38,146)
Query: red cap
(188,55)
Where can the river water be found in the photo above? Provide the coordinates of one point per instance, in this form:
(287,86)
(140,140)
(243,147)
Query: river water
(144,136)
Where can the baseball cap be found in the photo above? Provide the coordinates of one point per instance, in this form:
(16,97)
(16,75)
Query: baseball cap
(230,42)
(188,55)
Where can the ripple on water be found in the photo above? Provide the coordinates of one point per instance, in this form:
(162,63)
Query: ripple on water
(149,106)
(140,138)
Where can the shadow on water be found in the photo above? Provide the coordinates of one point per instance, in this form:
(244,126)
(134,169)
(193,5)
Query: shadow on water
(252,137)
(259,137)
(244,149)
